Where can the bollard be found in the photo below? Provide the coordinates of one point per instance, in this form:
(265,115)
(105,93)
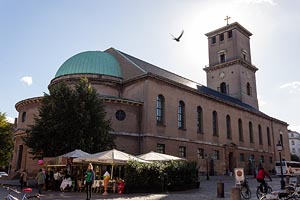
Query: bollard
(235,193)
(220,189)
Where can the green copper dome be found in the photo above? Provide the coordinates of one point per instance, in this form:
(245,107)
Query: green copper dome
(90,62)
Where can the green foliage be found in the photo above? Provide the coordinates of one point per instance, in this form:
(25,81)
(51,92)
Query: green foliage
(294,157)
(6,141)
(160,176)
(70,119)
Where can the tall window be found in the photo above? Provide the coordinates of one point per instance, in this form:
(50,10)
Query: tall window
(249,89)
(223,88)
(215,123)
(23,116)
(229,33)
(199,120)
(182,152)
(262,159)
(240,124)
(260,135)
(200,153)
(222,58)
(222,37)
(181,116)
(213,40)
(251,132)
(228,127)
(281,138)
(160,148)
(19,156)
(268,136)
(160,107)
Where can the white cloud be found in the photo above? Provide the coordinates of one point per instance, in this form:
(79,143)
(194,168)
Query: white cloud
(293,87)
(27,80)
(261,101)
(271,2)
(10,119)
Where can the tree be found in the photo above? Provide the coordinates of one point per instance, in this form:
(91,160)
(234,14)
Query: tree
(70,119)
(6,141)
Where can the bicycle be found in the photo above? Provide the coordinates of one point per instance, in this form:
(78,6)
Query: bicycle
(260,189)
(245,190)
(25,190)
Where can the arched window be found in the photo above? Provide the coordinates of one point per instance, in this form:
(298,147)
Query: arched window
(223,88)
(23,116)
(215,123)
(251,132)
(249,89)
(240,125)
(260,135)
(181,116)
(199,120)
(228,127)
(160,108)
(268,136)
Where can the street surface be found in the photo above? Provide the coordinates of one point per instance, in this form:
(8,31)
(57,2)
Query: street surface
(207,191)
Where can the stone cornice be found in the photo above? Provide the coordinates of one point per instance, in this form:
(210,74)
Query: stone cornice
(27,101)
(234,25)
(238,61)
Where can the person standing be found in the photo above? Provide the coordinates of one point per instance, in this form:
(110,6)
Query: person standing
(40,177)
(89,180)
(23,179)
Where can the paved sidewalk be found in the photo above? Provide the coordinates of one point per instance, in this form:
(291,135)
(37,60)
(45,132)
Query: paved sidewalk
(207,191)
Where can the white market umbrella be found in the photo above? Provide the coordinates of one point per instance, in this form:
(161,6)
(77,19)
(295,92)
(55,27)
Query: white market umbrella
(77,153)
(113,157)
(154,156)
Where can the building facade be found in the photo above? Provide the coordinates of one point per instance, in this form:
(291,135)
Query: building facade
(294,142)
(219,125)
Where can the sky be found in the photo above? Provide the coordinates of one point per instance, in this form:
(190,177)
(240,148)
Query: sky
(36,37)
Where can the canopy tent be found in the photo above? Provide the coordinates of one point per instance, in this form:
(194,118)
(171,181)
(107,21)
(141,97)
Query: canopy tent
(113,157)
(109,157)
(77,153)
(154,156)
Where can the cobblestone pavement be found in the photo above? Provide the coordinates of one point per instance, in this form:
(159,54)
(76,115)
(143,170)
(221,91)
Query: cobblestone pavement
(207,191)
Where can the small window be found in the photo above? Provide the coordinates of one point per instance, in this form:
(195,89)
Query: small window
(222,58)
(160,148)
(271,160)
(221,37)
(23,116)
(213,40)
(293,150)
(216,155)
(182,152)
(242,157)
(262,159)
(293,142)
(229,33)
(249,89)
(223,88)
(200,153)
(120,115)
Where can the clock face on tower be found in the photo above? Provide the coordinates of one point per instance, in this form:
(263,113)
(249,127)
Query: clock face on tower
(222,74)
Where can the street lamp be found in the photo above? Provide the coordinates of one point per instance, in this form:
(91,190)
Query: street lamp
(207,175)
(279,149)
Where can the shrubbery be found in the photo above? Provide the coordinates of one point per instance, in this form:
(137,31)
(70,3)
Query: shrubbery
(160,176)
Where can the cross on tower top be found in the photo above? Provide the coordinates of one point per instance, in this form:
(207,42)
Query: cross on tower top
(227,18)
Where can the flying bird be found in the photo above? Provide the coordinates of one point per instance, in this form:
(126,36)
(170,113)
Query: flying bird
(177,39)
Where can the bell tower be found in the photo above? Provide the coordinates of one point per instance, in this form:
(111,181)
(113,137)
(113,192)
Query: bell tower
(230,70)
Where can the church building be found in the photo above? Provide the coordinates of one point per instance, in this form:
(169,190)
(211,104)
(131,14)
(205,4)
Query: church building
(219,125)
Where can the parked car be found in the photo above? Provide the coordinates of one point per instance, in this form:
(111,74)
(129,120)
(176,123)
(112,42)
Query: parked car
(3,174)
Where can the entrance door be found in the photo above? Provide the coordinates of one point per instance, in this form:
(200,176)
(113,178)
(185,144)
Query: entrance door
(230,160)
